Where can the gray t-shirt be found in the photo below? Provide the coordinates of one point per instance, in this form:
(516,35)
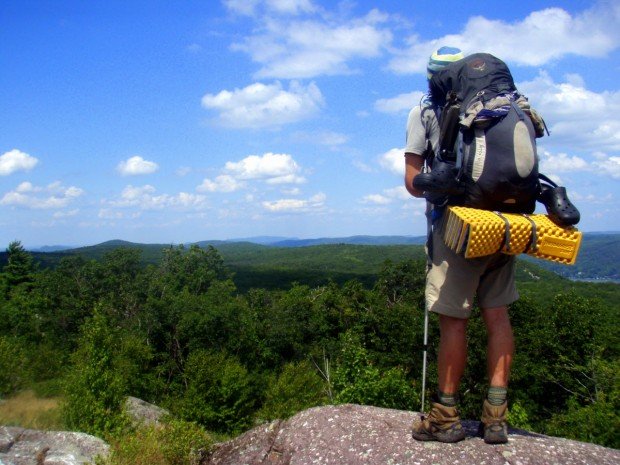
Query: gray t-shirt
(422,126)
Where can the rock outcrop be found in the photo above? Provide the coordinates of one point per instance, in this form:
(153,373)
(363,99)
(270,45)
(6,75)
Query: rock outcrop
(142,413)
(361,435)
(19,446)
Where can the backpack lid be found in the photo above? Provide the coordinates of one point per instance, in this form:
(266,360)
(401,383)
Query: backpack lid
(467,77)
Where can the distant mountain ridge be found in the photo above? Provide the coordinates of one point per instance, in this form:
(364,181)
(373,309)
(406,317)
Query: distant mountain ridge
(599,256)
(52,248)
(273,241)
(353,240)
(277,241)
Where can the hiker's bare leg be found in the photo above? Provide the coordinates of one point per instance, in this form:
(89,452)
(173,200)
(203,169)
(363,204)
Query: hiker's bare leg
(500,345)
(452,353)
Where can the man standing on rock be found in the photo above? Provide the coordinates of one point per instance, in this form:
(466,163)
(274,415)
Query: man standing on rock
(452,281)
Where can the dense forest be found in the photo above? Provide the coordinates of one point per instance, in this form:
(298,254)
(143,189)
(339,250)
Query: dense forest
(223,354)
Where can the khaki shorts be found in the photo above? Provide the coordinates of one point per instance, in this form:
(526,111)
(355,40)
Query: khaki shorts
(453,280)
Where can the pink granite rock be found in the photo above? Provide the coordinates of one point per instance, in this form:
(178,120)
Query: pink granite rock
(362,435)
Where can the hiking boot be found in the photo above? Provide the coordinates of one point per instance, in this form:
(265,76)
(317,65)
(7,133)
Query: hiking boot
(442,424)
(493,427)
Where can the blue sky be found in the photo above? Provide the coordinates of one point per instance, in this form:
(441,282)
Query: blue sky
(170,122)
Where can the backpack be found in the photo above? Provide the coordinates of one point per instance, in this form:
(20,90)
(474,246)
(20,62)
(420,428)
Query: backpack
(487,152)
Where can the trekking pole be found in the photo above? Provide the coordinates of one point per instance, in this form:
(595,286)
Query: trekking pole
(424,356)
(429,264)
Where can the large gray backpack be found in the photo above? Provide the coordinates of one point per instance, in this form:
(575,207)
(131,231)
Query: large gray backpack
(487,138)
(487,151)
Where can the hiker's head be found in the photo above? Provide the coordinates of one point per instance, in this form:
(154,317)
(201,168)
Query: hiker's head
(441,58)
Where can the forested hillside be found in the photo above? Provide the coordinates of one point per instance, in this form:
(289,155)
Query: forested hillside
(262,266)
(356,256)
(309,326)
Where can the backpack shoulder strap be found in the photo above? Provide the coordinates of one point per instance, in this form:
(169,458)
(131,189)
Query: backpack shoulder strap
(425,107)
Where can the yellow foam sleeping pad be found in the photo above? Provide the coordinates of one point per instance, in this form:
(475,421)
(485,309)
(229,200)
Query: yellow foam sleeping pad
(477,233)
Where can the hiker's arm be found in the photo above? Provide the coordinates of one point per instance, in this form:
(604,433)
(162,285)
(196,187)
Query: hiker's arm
(413,166)
(415,146)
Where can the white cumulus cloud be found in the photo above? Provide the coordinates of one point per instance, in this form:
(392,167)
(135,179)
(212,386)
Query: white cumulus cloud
(222,183)
(398,193)
(609,166)
(574,114)
(376,199)
(292,7)
(142,196)
(265,105)
(146,198)
(65,214)
(542,36)
(314,203)
(108,214)
(399,104)
(283,7)
(183,171)
(135,166)
(394,161)
(291,191)
(16,160)
(323,45)
(243,7)
(273,168)
(52,196)
(560,162)
(187,200)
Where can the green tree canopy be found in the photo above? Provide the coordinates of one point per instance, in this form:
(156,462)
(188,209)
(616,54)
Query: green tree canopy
(20,267)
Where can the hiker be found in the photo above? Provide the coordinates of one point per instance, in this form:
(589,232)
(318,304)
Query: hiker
(453,281)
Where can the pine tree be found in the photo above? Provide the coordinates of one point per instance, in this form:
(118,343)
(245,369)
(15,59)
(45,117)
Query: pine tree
(20,267)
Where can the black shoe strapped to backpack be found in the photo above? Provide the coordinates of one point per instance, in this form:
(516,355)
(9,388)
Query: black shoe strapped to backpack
(559,208)
(440,181)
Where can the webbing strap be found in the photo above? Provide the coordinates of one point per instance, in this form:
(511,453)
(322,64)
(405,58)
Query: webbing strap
(547,180)
(479,155)
(506,242)
(533,244)
(520,112)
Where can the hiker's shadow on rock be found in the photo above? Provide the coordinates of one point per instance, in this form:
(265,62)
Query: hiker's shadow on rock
(471,431)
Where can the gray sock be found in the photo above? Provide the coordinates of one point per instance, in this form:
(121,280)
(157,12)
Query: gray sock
(449,400)
(497,395)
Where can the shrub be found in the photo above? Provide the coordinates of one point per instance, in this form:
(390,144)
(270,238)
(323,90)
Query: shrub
(357,381)
(220,393)
(593,417)
(12,363)
(518,416)
(297,387)
(597,422)
(46,366)
(94,387)
(175,442)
